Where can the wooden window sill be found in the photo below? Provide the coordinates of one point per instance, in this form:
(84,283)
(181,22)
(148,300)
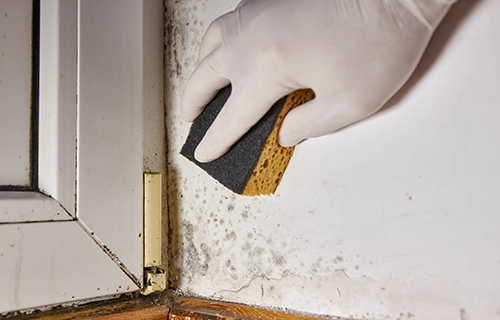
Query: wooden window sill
(162,307)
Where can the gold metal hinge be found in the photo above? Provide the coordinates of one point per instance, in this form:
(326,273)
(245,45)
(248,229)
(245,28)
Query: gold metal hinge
(155,279)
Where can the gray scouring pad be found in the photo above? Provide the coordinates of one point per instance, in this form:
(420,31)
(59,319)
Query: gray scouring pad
(255,164)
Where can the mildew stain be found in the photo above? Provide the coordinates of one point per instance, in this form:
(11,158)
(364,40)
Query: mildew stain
(231,236)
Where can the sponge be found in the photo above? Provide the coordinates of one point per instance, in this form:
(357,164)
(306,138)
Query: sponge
(255,164)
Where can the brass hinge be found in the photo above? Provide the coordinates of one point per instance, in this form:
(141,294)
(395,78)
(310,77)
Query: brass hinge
(155,279)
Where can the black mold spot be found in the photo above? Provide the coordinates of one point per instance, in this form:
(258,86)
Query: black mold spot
(247,247)
(278,259)
(231,236)
(257,252)
(338,259)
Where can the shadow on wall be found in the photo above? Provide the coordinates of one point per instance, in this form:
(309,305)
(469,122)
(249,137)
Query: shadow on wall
(438,42)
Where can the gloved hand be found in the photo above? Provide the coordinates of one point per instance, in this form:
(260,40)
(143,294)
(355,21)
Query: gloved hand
(355,55)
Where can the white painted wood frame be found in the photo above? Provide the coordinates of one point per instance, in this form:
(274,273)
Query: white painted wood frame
(80,237)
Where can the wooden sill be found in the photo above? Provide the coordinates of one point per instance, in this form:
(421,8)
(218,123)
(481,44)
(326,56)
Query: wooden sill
(126,308)
(197,309)
(162,307)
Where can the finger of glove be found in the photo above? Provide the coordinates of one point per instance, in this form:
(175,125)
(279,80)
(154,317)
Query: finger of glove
(213,36)
(319,117)
(202,86)
(243,109)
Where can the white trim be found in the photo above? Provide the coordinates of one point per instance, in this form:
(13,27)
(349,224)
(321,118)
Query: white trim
(52,263)
(21,206)
(109,171)
(57,104)
(101,253)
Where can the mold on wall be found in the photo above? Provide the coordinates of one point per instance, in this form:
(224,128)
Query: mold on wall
(393,218)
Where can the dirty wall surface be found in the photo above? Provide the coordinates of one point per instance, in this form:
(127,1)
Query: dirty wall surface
(393,218)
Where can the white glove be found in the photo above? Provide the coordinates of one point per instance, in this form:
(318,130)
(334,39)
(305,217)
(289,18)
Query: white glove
(355,55)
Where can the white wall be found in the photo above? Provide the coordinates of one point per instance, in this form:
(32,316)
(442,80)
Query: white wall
(393,218)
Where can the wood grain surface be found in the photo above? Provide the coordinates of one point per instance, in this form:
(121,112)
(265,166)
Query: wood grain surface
(165,307)
(198,309)
(135,307)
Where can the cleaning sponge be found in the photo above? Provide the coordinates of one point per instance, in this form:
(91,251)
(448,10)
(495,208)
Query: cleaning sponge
(255,164)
